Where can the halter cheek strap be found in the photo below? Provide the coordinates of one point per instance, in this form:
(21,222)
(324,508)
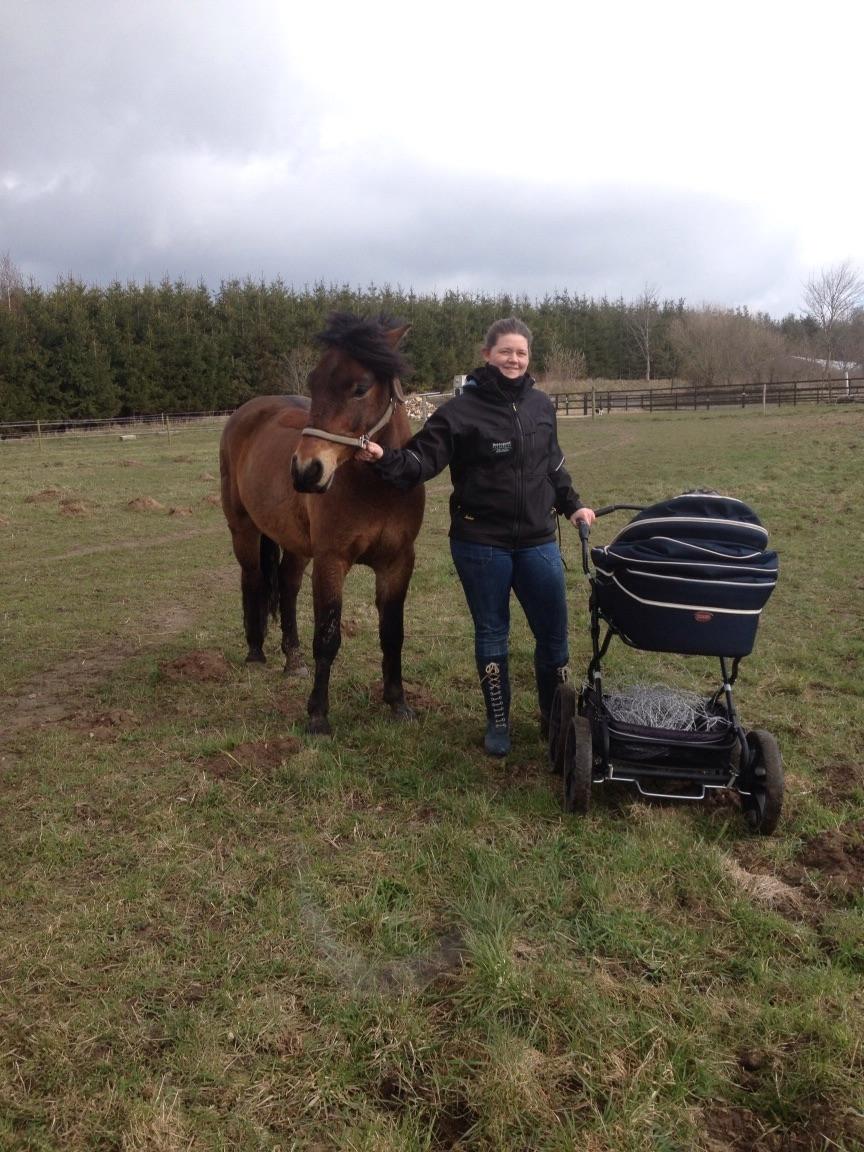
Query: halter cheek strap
(354,441)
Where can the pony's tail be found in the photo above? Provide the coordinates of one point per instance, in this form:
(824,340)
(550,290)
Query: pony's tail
(269,560)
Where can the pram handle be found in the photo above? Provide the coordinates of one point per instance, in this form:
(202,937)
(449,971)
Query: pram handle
(607,508)
(585,529)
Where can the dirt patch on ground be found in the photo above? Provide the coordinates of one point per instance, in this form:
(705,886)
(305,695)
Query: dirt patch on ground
(291,708)
(73,508)
(260,757)
(105,726)
(46,496)
(767,890)
(837,854)
(212,500)
(180,512)
(841,782)
(4,522)
(732,1129)
(54,696)
(146,504)
(829,866)
(206,665)
(206,476)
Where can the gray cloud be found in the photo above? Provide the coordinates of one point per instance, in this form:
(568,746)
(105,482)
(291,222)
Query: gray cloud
(144,142)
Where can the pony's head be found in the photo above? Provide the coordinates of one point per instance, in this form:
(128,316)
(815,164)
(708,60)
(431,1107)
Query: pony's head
(354,388)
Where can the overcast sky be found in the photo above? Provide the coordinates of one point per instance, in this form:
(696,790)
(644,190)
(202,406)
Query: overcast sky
(708,151)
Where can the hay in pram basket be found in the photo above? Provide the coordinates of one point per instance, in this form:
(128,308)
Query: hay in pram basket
(659,706)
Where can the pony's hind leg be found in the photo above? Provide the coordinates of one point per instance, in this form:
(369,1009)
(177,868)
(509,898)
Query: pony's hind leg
(258,557)
(291,569)
(391,588)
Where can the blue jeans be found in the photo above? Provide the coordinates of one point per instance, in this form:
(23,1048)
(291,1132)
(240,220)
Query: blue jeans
(536,575)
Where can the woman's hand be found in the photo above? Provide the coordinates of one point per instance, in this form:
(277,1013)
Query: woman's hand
(586,514)
(371,452)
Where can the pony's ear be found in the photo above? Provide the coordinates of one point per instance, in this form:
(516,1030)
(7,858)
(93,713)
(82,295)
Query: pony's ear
(395,335)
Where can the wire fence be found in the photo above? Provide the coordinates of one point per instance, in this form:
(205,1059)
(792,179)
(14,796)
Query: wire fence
(124,427)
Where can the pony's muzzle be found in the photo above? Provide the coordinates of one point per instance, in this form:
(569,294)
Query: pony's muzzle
(309,476)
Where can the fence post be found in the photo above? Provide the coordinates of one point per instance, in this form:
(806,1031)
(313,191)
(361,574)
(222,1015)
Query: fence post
(39,433)
(794,393)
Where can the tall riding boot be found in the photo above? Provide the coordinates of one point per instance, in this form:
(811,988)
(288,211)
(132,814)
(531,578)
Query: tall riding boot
(548,680)
(495,682)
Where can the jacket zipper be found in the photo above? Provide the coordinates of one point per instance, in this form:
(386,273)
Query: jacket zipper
(520,476)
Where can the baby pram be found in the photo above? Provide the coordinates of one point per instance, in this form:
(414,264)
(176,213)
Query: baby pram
(689,575)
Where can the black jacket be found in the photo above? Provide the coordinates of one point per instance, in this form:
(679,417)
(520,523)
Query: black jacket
(500,439)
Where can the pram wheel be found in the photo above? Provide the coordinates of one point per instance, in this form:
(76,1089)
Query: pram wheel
(578,766)
(762,783)
(560,714)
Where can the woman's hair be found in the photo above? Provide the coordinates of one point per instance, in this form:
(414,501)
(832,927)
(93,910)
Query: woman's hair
(507,327)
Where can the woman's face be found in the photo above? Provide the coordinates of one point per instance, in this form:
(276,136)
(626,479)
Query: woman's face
(509,354)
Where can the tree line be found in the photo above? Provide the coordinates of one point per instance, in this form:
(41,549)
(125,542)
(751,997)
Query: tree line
(80,351)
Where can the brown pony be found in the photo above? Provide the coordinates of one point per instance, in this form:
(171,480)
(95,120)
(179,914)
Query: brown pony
(292,491)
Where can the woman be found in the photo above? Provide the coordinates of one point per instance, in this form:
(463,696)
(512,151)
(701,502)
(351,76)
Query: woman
(500,440)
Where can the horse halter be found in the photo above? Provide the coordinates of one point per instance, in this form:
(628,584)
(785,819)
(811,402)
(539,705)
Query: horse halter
(358,441)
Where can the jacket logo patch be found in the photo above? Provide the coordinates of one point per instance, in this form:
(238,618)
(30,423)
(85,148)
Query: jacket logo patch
(502,447)
(703,617)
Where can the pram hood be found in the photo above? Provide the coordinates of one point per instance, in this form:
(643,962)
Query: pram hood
(690,574)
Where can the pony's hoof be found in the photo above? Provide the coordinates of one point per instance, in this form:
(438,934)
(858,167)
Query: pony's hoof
(294,666)
(318,726)
(402,713)
(256,656)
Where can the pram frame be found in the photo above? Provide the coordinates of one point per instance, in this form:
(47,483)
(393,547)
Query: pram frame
(749,763)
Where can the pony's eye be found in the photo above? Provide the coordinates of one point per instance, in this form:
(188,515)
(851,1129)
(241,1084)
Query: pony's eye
(362,387)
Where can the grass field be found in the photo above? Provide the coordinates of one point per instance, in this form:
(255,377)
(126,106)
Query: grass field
(219,933)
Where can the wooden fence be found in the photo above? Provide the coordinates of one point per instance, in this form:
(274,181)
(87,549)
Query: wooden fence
(685,399)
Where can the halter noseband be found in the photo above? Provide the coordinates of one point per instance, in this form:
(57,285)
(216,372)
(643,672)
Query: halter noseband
(355,441)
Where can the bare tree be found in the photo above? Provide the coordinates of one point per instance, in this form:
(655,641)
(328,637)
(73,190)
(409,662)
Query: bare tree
(831,298)
(641,322)
(563,366)
(11,281)
(297,367)
(720,346)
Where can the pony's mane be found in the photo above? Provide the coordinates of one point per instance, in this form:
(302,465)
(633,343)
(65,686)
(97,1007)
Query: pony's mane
(364,341)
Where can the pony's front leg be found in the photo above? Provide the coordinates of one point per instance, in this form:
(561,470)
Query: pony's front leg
(391,588)
(328,578)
